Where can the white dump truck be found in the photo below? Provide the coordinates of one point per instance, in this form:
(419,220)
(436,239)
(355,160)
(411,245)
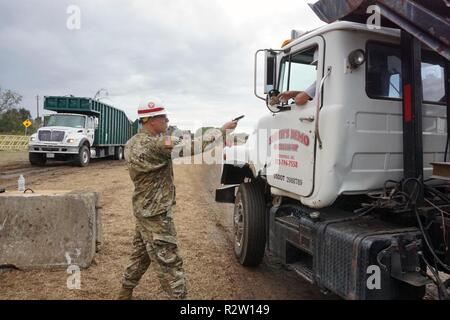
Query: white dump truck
(81,129)
(339,188)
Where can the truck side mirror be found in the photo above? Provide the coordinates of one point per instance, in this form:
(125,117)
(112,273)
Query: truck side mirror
(270,67)
(95,123)
(270,71)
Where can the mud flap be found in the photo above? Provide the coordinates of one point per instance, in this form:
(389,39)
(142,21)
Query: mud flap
(226,194)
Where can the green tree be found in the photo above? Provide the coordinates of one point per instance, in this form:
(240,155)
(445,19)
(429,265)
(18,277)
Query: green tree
(9,100)
(11,121)
(12,115)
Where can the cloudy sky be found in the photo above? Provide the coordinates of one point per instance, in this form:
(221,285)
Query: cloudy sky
(195,55)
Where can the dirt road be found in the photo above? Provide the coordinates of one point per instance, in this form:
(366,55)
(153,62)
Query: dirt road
(204,230)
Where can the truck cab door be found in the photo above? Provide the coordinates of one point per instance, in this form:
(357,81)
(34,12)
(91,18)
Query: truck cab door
(292,141)
(90,129)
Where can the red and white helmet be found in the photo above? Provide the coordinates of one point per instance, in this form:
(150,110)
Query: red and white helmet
(151,108)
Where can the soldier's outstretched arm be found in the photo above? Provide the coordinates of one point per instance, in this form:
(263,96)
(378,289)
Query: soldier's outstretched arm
(198,145)
(184,148)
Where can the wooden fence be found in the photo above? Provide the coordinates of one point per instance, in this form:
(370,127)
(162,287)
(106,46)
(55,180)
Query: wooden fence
(10,142)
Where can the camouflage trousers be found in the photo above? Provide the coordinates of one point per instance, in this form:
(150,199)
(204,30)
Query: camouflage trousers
(155,241)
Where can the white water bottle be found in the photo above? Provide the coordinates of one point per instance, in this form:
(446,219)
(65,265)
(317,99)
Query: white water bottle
(21,184)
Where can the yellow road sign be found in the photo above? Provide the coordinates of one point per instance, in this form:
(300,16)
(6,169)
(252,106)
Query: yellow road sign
(27,123)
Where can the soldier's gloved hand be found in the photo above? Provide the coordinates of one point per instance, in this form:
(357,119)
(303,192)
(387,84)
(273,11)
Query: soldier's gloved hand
(230,125)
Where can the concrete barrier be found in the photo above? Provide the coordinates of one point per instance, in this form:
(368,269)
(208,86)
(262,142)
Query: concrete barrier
(49,229)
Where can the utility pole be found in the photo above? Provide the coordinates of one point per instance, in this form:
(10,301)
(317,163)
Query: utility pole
(37,106)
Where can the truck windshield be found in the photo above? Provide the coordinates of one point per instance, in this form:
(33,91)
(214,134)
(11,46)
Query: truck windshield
(66,121)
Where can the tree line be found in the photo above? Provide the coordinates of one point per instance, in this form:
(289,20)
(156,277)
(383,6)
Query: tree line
(12,114)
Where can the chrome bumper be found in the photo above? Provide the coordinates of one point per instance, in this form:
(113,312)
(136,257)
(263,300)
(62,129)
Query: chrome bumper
(53,149)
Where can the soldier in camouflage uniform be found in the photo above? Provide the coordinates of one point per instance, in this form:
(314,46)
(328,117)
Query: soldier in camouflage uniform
(149,159)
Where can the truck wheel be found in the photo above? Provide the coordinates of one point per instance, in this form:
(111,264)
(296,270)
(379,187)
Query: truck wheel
(37,159)
(249,225)
(83,157)
(118,153)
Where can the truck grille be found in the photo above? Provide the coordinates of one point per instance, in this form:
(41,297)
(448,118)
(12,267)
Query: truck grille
(46,135)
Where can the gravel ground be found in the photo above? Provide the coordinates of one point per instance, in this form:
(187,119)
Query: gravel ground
(203,226)
(204,231)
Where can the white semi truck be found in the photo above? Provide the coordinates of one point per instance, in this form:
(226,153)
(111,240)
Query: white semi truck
(338,188)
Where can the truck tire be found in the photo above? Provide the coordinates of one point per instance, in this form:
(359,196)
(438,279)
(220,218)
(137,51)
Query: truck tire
(249,225)
(118,153)
(83,157)
(37,159)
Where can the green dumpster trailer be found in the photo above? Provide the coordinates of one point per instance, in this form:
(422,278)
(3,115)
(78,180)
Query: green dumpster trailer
(81,129)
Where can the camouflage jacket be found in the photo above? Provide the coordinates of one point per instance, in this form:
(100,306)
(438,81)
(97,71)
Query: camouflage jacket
(150,167)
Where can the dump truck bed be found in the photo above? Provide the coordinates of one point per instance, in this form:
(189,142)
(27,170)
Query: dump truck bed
(429,21)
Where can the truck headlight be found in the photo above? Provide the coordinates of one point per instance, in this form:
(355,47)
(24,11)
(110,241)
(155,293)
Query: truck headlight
(71,140)
(32,139)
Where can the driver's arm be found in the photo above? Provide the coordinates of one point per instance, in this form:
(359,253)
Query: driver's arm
(302,98)
(285,96)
